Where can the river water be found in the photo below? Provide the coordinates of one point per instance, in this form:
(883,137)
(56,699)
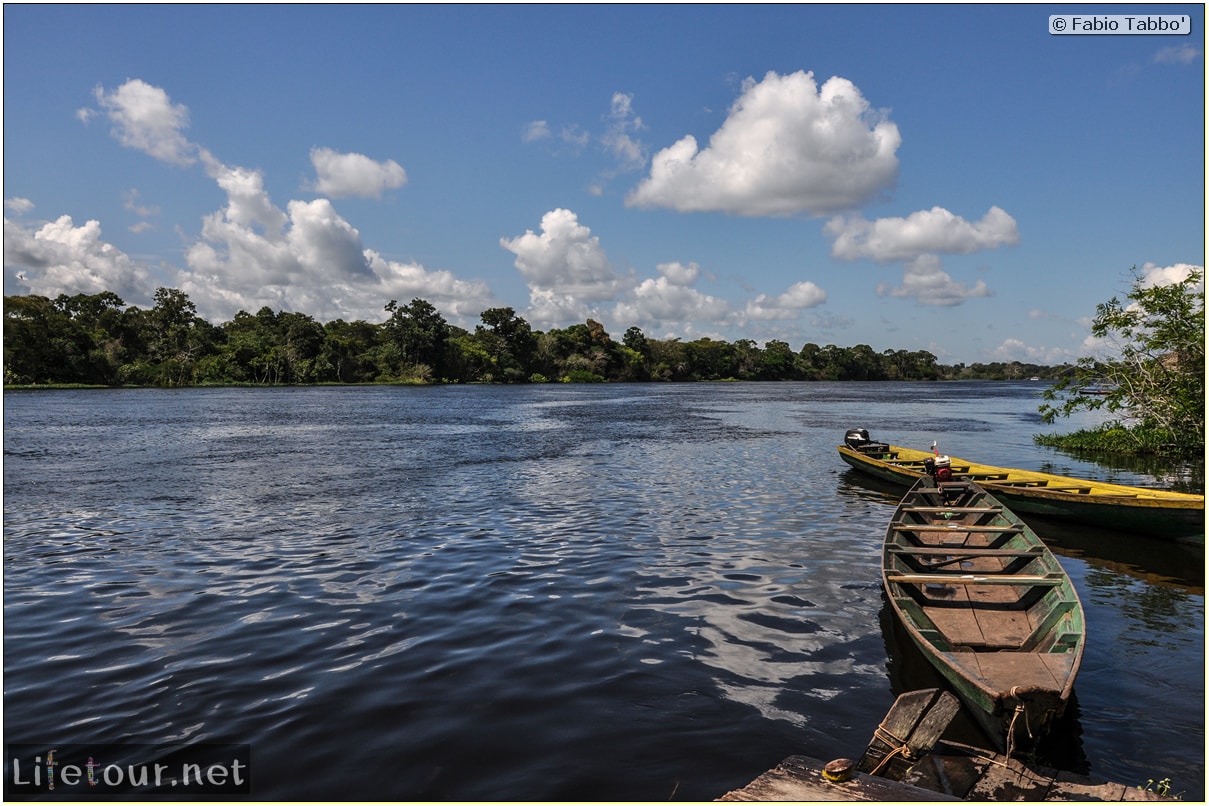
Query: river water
(608,592)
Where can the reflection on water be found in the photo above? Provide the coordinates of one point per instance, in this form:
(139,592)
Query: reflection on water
(540,593)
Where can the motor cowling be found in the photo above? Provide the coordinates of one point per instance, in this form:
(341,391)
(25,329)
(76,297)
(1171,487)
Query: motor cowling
(856,437)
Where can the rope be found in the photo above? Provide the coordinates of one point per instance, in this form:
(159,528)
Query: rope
(901,748)
(1011,731)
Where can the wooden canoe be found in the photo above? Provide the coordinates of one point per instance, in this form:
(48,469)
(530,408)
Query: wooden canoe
(988,604)
(1141,510)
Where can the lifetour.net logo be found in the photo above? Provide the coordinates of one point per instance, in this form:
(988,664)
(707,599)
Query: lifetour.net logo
(74,771)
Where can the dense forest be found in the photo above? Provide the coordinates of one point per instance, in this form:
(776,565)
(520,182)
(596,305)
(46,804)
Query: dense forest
(98,340)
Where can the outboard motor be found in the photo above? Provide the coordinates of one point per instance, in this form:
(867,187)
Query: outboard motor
(856,437)
(943,471)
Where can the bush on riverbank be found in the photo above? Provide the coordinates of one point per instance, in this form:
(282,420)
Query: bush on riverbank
(1113,438)
(1156,384)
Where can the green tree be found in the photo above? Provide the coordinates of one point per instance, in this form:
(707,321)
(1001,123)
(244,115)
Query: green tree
(777,361)
(710,360)
(105,332)
(342,358)
(35,350)
(421,334)
(1156,382)
(510,342)
(667,359)
(175,340)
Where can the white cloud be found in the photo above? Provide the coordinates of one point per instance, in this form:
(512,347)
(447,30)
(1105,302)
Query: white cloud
(308,259)
(326,244)
(463,300)
(130,200)
(565,266)
(535,130)
(787,147)
(570,279)
(1154,275)
(250,253)
(575,136)
(629,152)
(1177,54)
(1017,350)
(18,205)
(924,231)
(670,300)
(678,273)
(925,281)
(61,258)
(341,175)
(789,305)
(145,119)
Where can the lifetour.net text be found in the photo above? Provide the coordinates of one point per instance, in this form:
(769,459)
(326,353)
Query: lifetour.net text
(80,770)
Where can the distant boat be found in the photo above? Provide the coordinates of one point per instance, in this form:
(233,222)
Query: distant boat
(988,605)
(1141,510)
(1098,389)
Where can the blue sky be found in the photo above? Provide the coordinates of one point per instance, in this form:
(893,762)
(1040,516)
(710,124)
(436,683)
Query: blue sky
(945,178)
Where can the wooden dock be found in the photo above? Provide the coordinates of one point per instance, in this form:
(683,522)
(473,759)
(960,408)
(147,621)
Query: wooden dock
(908,761)
(938,777)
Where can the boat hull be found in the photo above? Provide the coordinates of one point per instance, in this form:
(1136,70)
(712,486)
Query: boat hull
(1154,513)
(988,605)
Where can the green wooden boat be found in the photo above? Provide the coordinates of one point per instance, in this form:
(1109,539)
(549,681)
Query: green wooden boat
(1140,510)
(988,604)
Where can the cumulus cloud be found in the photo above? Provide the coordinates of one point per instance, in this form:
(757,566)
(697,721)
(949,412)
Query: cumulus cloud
(787,146)
(1154,275)
(670,300)
(250,253)
(145,118)
(564,266)
(570,278)
(789,305)
(61,258)
(352,174)
(925,231)
(306,258)
(917,240)
(929,284)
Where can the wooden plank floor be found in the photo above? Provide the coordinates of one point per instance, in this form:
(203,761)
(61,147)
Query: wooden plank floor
(940,776)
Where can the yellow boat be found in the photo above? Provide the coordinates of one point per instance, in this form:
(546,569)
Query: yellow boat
(1141,510)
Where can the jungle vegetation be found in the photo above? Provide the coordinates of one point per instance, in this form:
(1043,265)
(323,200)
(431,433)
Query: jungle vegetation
(98,340)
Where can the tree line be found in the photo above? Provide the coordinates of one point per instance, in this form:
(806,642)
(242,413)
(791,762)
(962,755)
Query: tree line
(96,339)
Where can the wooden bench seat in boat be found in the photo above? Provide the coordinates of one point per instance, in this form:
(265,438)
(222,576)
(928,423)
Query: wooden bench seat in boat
(962,551)
(961,510)
(1051,579)
(956,527)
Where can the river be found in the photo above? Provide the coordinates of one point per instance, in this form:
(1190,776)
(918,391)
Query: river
(554,592)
